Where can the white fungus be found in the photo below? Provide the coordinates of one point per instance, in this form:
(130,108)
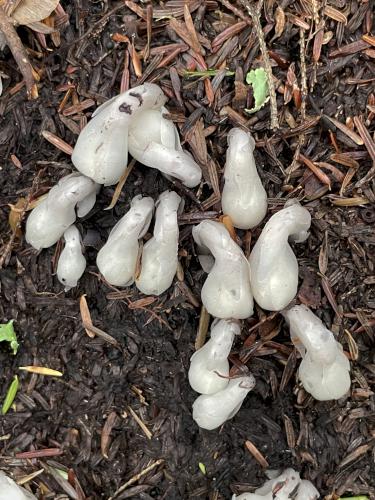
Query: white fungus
(226,292)
(71,264)
(117,259)
(210,411)
(101,151)
(324,370)
(55,213)
(154,141)
(244,198)
(285,486)
(209,366)
(274,267)
(160,253)
(9,490)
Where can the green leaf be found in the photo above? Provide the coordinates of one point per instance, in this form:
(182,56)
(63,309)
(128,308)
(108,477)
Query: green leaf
(8,334)
(257,78)
(202,468)
(11,394)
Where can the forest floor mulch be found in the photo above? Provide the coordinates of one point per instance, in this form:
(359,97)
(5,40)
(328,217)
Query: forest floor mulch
(120,417)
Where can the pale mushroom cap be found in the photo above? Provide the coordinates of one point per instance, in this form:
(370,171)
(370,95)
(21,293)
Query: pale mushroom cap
(71,264)
(101,151)
(160,253)
(274,267)
(211,360)
(9,490)
(243,198)
(226,292)
(324,370)
(210,411)
(54,214)
(160,147)
(117,259)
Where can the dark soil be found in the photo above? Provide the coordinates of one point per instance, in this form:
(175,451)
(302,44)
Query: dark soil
(83,423)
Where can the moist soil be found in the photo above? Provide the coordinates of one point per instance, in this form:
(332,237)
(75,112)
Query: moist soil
(83,434)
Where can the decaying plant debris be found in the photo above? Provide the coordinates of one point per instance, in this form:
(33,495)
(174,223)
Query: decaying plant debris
(118,423)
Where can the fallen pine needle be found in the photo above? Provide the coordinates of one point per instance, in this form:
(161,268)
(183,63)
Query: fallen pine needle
(120,184)
(41,370)
(141,424)
(204,320)
(86,316)
(137,477)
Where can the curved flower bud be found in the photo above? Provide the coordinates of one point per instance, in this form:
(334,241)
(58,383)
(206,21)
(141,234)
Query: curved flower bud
(274,267)
(154,141)
(101,151)
(226,292)
(72,263)
(244,198)
(209,366)
(160,253)
(285,486)
(324,370)
(9,490)
(55,213)
(117,259)
(210,411)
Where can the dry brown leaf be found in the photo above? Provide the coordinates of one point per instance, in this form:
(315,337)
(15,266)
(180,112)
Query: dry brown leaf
(85,315)
(280,21)
(29,11)
(15,215)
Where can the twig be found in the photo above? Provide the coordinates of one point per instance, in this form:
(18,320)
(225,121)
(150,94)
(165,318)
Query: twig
(19,54)
(255,16)
(136,478)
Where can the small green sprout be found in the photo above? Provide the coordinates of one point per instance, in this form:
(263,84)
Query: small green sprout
(8,334)
(11,394)
(257,78)
(360,497)
(202,468)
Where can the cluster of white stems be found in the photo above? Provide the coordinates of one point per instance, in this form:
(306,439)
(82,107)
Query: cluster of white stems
(135,121)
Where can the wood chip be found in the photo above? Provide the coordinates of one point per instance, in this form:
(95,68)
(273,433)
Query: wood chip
(335,14)
(85,315)
(290,434)
(106,432)
(354,455)
(350,202)
(256,454)
(346,130)
(57,142)
(315,169)
(100,333)
(350,48)
(288,370)
(344,159)
(365,135)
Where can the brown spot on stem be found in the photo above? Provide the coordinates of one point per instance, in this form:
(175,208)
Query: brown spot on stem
(137,96)
(125,108)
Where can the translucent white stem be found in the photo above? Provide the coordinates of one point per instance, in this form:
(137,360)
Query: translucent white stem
(55,213)
(274,267)
(324,370)
(154,141)
(244,198)
(160,253)
(9,490)
(210,411)
(209,366)
(72,263)
(101,151)
(226,292)
(117,259)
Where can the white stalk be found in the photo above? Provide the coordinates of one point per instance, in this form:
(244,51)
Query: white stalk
(324,370)
(9,490)
(226,292)
(209,366)
(285,486)
(117,259)
(244,198)
(101,151)
(72,263)
(274,267)
(55,213)
(210,411)
(154,141)
(160,253)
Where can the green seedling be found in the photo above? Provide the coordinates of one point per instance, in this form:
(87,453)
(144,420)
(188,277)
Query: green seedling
(8,334)
(11,394)
(257,78)
(202,468)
